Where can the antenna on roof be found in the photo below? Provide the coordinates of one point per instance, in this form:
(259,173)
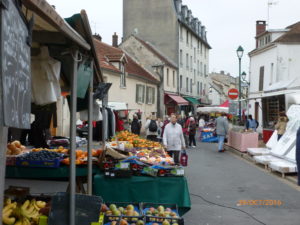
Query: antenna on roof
(269,5)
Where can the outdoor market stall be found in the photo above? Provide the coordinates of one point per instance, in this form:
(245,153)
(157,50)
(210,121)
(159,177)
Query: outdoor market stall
(46,43)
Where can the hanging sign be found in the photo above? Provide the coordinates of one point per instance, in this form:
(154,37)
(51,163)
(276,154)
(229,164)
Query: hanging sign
(15,72)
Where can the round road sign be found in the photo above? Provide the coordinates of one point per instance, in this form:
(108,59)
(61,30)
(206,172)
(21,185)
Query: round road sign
(233,93)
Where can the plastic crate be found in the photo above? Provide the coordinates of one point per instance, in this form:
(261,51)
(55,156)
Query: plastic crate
(150,220)
(55,163)
(87,209)
(109,220)
(137,206)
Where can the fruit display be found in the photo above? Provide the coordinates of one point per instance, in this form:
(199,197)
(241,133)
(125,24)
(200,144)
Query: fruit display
(114,210)
(41,156)
(58,150)
(135,140)
(15,148)
(154,156)
(27,213)
(81,157)
(40,159)
(161,211)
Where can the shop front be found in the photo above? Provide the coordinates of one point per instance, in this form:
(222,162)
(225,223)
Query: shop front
(174,103)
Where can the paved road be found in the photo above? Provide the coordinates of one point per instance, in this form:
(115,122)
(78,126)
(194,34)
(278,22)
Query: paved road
(225,179)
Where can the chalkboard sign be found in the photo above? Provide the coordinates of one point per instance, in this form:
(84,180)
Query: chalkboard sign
(14,68)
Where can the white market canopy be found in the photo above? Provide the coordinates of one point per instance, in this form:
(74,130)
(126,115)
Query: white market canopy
(117,106)
(212,109)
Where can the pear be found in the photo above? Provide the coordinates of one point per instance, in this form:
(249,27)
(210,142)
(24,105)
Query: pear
(166,222)
(121,209)
(161,208)
(140,222)
(135,213)
(175,224)
(112,207)
(130,207)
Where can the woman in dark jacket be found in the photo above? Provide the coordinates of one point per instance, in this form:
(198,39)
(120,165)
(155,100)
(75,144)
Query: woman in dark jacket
(192,132)
(135,125)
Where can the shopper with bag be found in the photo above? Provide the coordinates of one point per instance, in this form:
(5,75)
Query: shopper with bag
(151,127)
(173,139)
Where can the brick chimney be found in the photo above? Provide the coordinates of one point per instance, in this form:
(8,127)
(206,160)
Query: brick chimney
(260,28)
(115,40)
(98,37)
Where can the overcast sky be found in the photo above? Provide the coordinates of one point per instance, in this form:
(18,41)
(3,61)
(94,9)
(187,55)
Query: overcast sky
(229,23)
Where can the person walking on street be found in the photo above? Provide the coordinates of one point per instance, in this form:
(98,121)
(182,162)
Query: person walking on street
(251,123)
(151,127)
(201,126)
(166,121)
(222,130)
(135,125)
(192,132)
(281,125)
(180,120)
(159,130)
(173,139)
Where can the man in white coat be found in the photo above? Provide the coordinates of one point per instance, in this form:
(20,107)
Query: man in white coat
(173,139)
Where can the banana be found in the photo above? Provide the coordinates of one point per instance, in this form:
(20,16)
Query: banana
(8,207)
(19,222)
(28,210)
(7,201)
(41,204)
(7,219)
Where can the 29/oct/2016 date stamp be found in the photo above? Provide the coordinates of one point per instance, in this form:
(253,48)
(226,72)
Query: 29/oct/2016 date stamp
(260,202)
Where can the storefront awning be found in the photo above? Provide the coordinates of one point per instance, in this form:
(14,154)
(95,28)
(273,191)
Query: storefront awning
(178,99)
(192,100)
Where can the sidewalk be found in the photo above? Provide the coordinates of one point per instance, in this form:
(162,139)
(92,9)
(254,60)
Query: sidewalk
(226,179)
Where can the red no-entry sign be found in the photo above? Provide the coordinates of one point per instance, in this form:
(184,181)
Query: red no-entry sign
(233,93)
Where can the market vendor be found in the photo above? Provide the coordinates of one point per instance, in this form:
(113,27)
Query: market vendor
(173,139)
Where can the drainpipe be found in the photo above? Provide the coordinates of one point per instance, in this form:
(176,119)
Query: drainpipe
(160,90)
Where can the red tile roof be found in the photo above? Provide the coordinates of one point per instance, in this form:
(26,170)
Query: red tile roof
(107,54)
(151,48)
(103,50)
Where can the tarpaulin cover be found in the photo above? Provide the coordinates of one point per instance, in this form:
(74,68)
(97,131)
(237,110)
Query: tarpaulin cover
(144,189)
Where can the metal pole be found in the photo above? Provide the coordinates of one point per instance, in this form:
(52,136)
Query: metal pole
(104,120)
(240,111)
(3,143)
(90,139)
(72,179)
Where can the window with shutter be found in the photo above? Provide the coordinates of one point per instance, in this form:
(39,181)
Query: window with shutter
(137,94)
(147,95)
(143,93)
(261,78)
(153,95)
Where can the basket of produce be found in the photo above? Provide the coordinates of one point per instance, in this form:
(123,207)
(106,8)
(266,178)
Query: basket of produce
(160,210)
(163,221)
(117,209)
(40,159)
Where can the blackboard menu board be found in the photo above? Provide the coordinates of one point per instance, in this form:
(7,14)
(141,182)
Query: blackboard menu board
(15,70)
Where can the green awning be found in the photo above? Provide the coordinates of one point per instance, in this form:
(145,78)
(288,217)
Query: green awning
(192,100)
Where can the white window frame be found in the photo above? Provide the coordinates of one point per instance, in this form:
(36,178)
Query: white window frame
(140,93)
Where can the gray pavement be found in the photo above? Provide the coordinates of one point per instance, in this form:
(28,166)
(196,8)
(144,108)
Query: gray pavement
(224,178)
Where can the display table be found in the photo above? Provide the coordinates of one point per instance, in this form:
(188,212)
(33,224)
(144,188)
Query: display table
(144,189)
(44,173)
(242,141)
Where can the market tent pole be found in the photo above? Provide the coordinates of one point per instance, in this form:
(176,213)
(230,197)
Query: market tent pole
(104,119)
(72,179)
(90,138)
(3,143)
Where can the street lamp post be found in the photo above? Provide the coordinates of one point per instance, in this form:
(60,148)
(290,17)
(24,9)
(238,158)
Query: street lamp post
(247,85)
(240,52)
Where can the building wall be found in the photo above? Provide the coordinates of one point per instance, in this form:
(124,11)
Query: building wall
(128,94)
(215,97)
(170,79)
(154,21)
(192,70)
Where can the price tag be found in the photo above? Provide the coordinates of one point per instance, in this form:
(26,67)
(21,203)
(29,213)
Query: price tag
(124,165)
(112,174)
(107,173)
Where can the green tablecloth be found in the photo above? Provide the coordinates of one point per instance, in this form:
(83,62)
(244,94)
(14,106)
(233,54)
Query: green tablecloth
(144,189)
(44,173)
